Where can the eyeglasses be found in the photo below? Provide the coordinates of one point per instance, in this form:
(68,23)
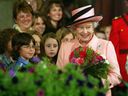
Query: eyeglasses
(29,46)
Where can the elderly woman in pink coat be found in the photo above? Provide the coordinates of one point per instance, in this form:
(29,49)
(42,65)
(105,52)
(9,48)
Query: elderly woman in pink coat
(83,21)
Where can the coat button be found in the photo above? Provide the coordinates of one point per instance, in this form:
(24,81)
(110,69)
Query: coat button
(121,30)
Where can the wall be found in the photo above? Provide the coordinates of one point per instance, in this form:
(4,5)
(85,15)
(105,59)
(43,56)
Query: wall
(6,13)
(108,9)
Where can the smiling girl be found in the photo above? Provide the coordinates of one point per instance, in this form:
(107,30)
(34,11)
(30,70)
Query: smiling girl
(53,11)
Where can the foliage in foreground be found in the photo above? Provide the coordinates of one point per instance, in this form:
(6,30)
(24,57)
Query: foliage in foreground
(45,79)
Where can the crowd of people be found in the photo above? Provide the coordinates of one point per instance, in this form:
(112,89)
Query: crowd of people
(41,29)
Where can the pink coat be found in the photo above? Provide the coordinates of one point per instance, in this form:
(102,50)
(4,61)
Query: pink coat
(103,47)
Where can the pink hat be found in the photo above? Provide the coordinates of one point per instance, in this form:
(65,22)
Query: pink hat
(84,14)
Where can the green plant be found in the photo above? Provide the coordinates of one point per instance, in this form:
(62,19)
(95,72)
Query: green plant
(48,80)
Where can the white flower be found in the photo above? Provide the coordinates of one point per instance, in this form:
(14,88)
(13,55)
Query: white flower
(106,61)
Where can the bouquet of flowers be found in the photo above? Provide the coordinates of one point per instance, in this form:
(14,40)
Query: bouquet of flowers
(91,62)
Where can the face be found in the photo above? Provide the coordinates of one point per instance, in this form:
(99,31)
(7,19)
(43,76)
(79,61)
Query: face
(24,20)
(107,31)
(125,5)
(51,47)
(27,51)
(37,43)
(84,31)
(68,38)
(55,13)
(100,35)
(39,25)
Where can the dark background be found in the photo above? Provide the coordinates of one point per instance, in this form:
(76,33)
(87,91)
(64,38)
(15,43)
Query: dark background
(107,8)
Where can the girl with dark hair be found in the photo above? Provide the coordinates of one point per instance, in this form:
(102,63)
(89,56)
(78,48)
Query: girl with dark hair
(54,14)
(38,41)
(50,47)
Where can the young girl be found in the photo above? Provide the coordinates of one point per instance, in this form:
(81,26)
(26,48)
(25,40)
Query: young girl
(50,46)
(38,39)
(23,46)
(39,23)
(65,34)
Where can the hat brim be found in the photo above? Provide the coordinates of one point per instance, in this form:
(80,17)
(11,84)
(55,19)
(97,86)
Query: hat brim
(90,19)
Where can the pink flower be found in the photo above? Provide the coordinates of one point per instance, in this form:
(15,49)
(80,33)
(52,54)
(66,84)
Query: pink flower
(99,57)
(73,60)
(40,93)
(31,70)
(80,61)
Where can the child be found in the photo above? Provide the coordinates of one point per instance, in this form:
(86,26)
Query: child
(50,46)
(100,34)
(107,30)
(38,38)
(23,46)
(39,23)
(6,48)
(65,34)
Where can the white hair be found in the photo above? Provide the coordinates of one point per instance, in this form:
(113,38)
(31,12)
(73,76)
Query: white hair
(95,24)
